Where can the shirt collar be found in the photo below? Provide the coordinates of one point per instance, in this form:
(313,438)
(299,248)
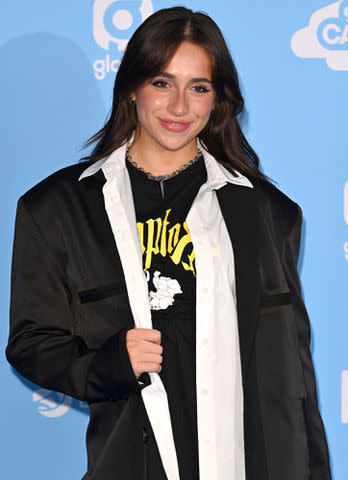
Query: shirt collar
(217,174)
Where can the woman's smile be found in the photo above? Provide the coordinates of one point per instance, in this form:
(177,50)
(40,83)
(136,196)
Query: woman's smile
(175,126)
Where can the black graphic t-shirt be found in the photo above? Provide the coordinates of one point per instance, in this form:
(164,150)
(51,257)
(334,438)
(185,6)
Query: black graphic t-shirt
(169,265)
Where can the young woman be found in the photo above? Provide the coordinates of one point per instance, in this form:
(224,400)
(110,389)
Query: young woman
(157,280)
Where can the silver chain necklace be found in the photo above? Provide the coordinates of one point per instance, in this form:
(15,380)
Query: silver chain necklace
(168,175)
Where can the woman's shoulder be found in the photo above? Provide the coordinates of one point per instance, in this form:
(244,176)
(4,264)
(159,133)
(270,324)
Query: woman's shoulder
(275,203)
(53,187)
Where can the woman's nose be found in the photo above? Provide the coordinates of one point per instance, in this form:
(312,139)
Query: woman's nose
(178,103)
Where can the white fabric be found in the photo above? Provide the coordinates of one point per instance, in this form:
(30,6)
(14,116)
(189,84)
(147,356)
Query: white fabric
(218,368)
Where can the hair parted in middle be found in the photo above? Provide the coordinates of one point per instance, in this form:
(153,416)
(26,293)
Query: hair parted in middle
(148,52)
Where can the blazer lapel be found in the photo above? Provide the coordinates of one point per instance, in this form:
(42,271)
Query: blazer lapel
(239,208)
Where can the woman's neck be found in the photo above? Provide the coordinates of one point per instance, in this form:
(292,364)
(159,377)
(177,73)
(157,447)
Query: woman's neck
(159,161)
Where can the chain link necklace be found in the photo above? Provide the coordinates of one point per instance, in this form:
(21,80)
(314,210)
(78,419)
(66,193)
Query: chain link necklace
(162,177)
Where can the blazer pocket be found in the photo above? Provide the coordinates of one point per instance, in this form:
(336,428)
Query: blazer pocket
(102,312)
(283,298)
(100,292)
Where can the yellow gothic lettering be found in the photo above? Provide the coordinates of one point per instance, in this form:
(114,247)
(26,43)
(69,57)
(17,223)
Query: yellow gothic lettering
(155,237)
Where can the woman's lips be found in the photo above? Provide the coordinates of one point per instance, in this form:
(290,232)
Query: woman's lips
(175,126)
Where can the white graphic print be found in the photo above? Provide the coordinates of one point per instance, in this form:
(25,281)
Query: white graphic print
(326,36)
(166,289)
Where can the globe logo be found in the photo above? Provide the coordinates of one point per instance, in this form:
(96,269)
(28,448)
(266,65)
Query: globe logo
(112,27)
(111,21)
(51,404)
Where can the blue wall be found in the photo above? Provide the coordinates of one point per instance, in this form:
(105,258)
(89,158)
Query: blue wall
(58,61)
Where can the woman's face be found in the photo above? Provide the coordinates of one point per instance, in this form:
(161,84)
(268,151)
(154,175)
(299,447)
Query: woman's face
(175,106)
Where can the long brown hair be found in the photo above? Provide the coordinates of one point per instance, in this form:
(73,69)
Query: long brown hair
(149,50)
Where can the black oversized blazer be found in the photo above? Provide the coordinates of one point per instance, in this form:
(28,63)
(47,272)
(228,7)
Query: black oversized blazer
(67,278)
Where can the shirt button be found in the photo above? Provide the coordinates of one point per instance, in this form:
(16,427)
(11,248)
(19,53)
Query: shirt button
(205,341)
(204,290)
(204,391)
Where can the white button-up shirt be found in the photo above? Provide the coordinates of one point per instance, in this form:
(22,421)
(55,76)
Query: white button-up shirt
(218,367)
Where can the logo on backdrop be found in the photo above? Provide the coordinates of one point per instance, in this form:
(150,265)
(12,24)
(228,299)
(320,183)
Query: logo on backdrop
(345,213)
(325,36)
(344,396)
(113,25)
(53,404)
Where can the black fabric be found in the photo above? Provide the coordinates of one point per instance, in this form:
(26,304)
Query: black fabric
(168,260)
(64,245)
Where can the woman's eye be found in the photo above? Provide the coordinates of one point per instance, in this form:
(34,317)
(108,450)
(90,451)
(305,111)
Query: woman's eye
(163,84)
(159,83)
(201,89)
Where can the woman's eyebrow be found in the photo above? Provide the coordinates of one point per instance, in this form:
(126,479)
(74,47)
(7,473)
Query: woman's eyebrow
(193,80)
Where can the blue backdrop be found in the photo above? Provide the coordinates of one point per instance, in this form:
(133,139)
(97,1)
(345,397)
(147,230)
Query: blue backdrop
(58,61)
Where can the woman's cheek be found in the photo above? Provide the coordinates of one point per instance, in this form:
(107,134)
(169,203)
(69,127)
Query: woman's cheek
(205,111)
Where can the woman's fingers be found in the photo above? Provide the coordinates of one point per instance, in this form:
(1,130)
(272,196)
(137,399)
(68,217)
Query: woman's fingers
(145,350)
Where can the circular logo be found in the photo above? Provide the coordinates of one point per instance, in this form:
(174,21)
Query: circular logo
(51,404)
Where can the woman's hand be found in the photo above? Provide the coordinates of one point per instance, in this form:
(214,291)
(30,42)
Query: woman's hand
(144,349)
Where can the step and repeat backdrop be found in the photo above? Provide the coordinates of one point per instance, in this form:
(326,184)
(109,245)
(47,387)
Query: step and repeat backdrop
(58,62)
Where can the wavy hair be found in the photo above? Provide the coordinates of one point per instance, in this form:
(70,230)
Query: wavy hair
(148,51)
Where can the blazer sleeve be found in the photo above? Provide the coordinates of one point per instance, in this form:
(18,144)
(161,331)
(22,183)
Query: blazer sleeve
(42,346)
(319,455)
